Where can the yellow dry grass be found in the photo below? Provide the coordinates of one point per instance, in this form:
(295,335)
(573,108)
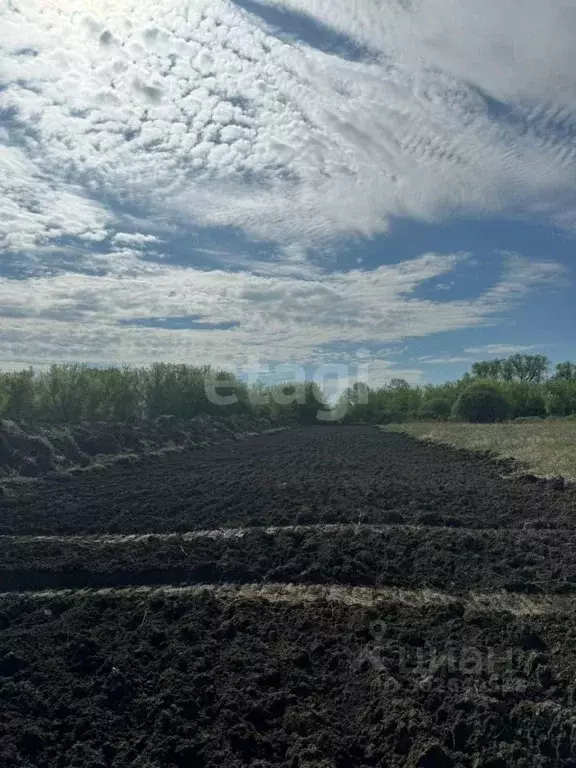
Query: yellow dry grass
(546,448)
(302,594)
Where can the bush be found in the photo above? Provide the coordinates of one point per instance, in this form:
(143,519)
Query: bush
(557,405)
(18,395)
(482,403)
(438,408)
(534,406)
(561,400)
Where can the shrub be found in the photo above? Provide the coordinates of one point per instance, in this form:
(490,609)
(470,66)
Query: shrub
(525,399)
(482,403)
(18,394)
(438,408)
(557,405)
(311,401)
(561,400)
(534,406)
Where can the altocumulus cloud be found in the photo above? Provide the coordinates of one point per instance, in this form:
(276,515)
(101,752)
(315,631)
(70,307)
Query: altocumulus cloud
(201,114)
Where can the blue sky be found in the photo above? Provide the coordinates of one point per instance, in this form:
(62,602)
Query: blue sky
(262,185)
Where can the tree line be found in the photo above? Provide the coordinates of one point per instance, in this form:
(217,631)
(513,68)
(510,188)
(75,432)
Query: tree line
(520,386)
(75,393)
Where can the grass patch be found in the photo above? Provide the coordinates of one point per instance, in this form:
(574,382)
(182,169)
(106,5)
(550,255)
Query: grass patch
(546,447)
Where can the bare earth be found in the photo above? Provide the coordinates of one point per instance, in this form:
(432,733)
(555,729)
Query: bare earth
(321,598)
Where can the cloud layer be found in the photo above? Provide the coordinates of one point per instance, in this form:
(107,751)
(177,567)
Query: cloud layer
(211,113)
(241,318)
(233,125)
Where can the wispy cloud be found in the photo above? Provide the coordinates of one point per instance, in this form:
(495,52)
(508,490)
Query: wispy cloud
(471,354)
(283,318)
(126,127)
(500,349)
(443,360)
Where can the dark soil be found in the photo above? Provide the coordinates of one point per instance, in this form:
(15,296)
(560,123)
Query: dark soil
(111,681)
(314,475)
(208,677)
(451,559)
(32,450)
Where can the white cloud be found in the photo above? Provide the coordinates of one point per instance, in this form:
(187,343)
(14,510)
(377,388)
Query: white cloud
(499,349)
(22,365)
(35,210)
(380,372)
(510,50)
(193,113)
(133,238)
(196,108)
(471,354)
(99,318)
(444,360)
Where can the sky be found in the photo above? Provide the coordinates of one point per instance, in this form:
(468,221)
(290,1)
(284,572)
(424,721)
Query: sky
(349,185)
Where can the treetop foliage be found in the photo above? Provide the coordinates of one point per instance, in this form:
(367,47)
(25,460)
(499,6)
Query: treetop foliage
(524,381)
(530,369)
(77,392)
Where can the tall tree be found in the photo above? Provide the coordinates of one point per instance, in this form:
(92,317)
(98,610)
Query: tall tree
(531,369)
(565,371)
(488,369)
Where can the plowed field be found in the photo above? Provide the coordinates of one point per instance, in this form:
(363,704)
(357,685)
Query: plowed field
(320,598)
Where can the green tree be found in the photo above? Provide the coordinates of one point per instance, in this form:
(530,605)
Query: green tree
(561,397)
(488,369)
(565,371)
(122,394)
(401,398)
(359,393)
(63,391)
(525,399)
(529,368)
(19,394)
(438,408)
(483,403)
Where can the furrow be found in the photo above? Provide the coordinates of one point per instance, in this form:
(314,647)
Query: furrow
(450,559)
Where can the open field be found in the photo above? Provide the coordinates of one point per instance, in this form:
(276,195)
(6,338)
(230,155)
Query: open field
(321,598)
(546,447)
(306,476)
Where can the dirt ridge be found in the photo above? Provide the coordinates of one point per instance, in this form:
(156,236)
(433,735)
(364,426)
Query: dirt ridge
(488,602)
(521,561)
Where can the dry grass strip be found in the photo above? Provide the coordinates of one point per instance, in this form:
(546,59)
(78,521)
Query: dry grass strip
(238,533)
(486,602)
